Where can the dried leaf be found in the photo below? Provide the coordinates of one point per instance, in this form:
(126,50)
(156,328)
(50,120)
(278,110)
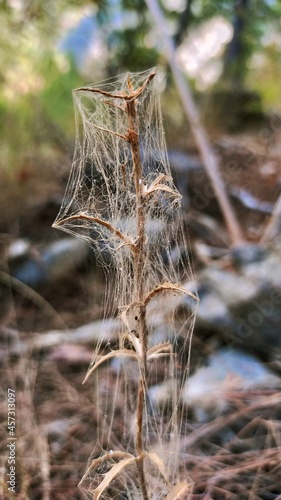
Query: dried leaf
(158,185)
(159,464)
(128,97)
(174,287)
(131,317)
(110,475)
(160,178)
(136,343)
(178,490)
(159,350)
(163,187)
(107,456)
(97,220)
(165,347)
(118,353)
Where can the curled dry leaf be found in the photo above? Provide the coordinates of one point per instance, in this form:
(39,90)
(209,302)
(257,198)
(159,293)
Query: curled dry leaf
(178,490)
(166,287)
(118,353)
(110,455)
(97,220)
(111,475)
(157,185)
(159,464)
(159,350)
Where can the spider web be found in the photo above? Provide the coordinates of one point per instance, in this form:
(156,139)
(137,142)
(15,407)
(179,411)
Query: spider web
(112,207)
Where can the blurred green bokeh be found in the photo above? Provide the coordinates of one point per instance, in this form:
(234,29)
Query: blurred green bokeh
(49,48)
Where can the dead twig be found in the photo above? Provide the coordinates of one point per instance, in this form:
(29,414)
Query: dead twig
(208,157)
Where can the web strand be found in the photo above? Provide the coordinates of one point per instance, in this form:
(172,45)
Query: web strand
(121,200)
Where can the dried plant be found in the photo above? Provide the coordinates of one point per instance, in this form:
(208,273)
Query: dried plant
(122,201)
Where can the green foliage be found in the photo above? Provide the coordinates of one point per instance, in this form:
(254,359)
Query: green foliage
(55,99)
(257,18)
(262,10)
(132,53)
(36,80)
(36,119)
(269,87)
(127,39)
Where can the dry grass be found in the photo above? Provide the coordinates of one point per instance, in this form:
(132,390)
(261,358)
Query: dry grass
(235,456)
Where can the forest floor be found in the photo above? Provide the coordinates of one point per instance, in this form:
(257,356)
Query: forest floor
(235,455)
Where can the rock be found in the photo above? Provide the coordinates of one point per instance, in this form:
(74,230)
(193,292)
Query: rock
(205,253)
(249,201)
(208,230)
(71,354)
(18,249)
(52,263)
(182,165)
(247,253)
(243,305)
(267,271)
(232,288)
(98,332)
(209,390)
(212,311)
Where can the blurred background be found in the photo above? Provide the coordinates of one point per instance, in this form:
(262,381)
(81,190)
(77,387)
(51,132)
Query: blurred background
(52,289)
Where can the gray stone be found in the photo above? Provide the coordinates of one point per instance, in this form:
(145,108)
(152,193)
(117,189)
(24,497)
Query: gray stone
(244,305)
(208,391)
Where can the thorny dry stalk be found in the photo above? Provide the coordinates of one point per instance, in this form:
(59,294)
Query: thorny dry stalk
(140,297)
(139,257)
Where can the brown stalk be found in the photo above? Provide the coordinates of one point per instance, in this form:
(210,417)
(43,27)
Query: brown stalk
(139,258)
(139,299)
(138,247)
(271,229)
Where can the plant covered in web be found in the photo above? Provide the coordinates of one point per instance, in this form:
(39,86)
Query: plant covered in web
(121,200)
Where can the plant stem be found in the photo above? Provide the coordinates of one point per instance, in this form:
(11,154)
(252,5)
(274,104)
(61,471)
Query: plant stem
(138,248)
(139,261)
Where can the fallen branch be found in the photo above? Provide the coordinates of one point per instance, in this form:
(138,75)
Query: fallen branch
(208,157)
(272,227)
